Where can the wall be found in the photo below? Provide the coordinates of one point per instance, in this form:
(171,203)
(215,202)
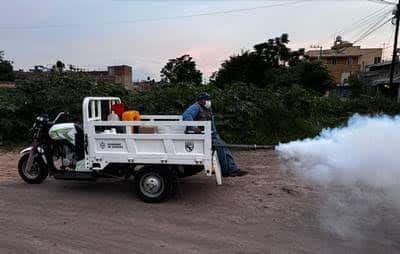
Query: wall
(337,70)
(368,56)
(122,74)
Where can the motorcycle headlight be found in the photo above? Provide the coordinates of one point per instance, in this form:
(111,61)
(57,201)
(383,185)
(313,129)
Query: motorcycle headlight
(39,118)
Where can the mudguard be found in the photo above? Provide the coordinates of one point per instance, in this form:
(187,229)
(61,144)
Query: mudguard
(28,149)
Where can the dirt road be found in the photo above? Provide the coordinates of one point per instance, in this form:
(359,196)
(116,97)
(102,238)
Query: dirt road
(264,212)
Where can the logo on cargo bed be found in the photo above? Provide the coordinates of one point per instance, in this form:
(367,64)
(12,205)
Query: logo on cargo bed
(115,146)
(189,146)
(111,145)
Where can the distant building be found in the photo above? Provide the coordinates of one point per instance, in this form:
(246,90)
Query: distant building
(377,76)
(121,74)
(100,76)
(344,59)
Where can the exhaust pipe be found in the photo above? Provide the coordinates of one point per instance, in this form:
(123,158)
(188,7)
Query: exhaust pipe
(250,147)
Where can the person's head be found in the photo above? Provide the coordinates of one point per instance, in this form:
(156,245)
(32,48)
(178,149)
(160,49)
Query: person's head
(204,99)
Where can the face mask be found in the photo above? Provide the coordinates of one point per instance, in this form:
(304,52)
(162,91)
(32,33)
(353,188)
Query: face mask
(208,104)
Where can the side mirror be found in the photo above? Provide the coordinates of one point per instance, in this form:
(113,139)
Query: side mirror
(58,116)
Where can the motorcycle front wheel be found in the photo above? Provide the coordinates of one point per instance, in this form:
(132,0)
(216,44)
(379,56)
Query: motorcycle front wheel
(36,174)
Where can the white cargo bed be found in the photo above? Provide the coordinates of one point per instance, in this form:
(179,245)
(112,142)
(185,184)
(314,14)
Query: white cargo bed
(168,145)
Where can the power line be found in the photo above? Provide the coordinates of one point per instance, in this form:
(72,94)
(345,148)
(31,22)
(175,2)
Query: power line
(156,19)
(375,1)
(362,21)
(387,45)
(371,25)
(391,37)
(383,2)
(285,3)
(375,28)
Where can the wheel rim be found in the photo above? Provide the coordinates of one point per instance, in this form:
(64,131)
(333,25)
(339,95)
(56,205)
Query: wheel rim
(151,185)
(33,172)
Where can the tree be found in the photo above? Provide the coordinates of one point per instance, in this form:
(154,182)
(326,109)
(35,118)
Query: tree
(356,85)
(276,53)
(247,67)
(254,67)
(6,69)
(314,76)
(181,70)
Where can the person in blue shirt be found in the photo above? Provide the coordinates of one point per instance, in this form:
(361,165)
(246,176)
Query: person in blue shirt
(201,111)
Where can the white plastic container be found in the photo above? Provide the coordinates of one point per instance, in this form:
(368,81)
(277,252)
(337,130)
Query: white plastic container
(112,116)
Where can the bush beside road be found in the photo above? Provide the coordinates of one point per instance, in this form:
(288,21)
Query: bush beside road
(244,114)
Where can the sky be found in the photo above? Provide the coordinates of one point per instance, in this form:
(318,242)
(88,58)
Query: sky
(94,34)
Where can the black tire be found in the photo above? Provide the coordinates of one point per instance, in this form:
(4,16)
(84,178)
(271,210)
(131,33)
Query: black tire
(41,171)
(154,185)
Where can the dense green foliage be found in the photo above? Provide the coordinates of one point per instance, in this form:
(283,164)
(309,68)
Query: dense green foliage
(269,116)
(181,70)
(244,114)
(52,92)
(13,110)
(49,93)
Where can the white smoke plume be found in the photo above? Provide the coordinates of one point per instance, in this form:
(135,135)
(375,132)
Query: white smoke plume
(357,167)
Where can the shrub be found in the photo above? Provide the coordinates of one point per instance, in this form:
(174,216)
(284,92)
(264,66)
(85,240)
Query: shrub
(243,113)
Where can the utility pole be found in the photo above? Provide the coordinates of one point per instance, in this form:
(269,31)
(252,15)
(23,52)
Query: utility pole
(394,57)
